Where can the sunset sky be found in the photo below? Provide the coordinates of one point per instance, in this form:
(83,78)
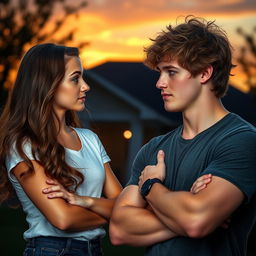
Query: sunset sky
(119,29)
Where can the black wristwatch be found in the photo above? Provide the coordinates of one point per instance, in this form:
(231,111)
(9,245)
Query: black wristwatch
(147,185)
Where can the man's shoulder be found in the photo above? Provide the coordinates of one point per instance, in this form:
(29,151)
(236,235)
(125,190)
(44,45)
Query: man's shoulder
(158,140)
(238,121)
(157,143)
(234,132)
(237,126)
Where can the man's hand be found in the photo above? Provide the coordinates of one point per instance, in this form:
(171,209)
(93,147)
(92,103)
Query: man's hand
(154,171)
(201,183)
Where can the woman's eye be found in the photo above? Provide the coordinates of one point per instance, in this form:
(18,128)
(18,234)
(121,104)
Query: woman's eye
(75,79)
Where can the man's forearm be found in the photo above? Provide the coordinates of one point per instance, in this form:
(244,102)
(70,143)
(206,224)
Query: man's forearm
(183,213)
(195,215)
(137,227)
(132,224)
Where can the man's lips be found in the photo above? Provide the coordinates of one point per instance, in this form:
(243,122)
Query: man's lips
(165,96)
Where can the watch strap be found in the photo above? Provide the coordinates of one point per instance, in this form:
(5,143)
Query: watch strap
(147,185)
(156,180)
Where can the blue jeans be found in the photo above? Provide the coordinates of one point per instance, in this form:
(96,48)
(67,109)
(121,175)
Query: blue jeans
(60,246)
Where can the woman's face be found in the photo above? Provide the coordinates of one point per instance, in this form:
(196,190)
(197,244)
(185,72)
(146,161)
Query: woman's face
(72,90)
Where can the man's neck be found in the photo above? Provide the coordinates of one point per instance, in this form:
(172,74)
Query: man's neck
(197,120)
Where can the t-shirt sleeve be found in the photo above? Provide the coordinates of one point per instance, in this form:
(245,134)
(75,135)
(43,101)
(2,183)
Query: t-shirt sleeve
(138,166)
(14,158)
(235,161)
(103,153)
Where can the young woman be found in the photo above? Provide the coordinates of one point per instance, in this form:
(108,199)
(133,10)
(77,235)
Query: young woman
(41,140)
(45,157)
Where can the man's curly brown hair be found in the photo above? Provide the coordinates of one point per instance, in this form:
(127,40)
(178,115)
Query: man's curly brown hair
(195,44)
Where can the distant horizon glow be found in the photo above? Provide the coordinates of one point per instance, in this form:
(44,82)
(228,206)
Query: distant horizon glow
(119,30)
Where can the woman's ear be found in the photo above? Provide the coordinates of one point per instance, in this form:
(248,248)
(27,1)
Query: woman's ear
(206,74)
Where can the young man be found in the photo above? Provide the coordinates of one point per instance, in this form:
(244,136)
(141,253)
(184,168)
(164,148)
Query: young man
(157,209)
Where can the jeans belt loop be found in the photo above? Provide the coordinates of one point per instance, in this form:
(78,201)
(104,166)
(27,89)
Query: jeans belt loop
(68,243)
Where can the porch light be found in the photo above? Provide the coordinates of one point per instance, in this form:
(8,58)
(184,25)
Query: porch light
(127,134)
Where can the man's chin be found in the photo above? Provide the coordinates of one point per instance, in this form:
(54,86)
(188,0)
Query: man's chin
(172,109)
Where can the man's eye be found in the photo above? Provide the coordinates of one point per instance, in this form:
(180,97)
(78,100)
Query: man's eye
(171,72)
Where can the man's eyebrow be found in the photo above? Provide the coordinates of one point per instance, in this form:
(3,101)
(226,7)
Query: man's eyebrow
(165,67)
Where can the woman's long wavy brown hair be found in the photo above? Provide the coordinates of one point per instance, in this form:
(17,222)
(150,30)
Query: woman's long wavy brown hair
(28,116)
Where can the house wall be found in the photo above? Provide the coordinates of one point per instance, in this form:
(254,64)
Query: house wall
(109,116)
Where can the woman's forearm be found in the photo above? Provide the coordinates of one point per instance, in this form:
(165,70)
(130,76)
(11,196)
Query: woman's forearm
(102,206)
(74,218)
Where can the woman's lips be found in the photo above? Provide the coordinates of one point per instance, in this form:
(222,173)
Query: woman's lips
(82,98)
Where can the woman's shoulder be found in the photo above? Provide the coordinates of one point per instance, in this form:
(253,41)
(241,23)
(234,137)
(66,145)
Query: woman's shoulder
(87,133)
(25,147)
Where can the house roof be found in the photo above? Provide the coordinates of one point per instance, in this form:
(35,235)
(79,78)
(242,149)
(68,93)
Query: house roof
(135,79)
(145,111)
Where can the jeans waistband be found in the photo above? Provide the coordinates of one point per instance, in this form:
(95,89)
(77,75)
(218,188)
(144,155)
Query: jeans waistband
(63,242)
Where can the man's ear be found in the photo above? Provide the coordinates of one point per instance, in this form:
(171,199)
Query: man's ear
(206,74)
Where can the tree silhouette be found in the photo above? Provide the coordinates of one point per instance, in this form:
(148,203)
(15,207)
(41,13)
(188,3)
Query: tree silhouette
(24,23)
(247,59)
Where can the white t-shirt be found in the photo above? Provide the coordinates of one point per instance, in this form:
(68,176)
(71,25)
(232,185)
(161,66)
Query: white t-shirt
(89,160)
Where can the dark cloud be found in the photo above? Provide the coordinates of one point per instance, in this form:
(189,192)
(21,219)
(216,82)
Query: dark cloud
(124,10)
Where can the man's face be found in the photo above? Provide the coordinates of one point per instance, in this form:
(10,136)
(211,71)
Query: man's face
(180,91)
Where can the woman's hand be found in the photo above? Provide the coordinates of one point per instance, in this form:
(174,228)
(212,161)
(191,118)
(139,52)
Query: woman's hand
(100,205)
(201,183)
(56,190)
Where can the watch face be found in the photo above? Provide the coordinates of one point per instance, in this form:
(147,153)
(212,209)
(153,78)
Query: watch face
(145,187)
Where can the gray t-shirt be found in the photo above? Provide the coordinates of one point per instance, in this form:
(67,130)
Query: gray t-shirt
(228,150)
(89,160)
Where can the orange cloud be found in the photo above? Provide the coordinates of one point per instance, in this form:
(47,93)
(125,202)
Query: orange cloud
(119,29)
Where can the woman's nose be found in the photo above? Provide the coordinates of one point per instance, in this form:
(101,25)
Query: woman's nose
(85,87)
